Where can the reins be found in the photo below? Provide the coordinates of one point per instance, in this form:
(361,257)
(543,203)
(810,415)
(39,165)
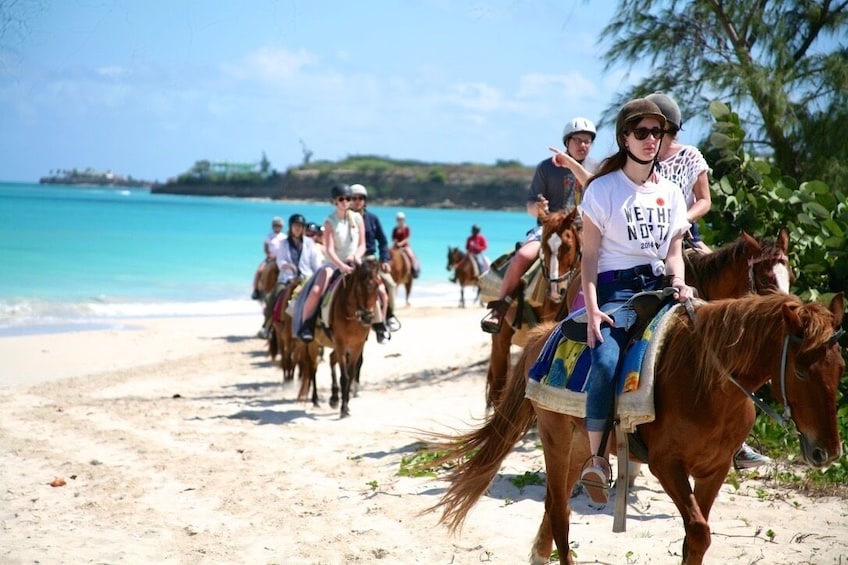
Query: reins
(782,419)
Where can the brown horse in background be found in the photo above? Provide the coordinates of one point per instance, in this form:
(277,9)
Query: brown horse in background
(745,265)
(555,306)
(702,416)
(351,314)
(401,270)
(465,272)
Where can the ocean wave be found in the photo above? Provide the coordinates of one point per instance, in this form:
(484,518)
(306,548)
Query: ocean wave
(34,315)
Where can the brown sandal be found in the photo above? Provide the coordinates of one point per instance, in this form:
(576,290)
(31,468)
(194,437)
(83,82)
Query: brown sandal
(494,319)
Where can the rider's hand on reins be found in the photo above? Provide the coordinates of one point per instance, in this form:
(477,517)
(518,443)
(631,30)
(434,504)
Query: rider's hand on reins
(683,292)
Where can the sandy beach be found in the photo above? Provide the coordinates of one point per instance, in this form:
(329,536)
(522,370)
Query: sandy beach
(177,442)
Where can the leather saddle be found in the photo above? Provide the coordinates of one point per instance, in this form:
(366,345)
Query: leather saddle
(636,313)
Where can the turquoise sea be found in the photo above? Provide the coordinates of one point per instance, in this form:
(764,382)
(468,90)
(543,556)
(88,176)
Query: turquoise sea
(74,258)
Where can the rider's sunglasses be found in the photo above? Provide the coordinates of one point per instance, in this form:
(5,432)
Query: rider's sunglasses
(343,199)
(643,133)
(359,198)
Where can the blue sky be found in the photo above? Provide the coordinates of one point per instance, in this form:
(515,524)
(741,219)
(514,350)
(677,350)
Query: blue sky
(146,88)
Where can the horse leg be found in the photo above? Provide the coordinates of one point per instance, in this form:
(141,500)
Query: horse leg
(565,447)
(334,359)
(354,386)
(346,368)
(310,354)
(408,287)
(675,482)
(461,296)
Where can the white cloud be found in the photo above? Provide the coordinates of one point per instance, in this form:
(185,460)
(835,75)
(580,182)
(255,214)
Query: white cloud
(271,65)
(113,71)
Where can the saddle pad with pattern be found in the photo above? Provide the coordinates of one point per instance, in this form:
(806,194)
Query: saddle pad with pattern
(327,300)
(490,281)
(557,382)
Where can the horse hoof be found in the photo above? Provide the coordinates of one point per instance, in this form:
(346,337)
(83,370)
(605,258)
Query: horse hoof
(334,403)
(345,414)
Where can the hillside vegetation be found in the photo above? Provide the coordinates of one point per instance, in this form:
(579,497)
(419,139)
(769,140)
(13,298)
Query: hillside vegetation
(411,183)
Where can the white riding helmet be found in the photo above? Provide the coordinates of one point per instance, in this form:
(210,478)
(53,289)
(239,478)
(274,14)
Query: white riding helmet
(400,216)
(578,125)
(358,190)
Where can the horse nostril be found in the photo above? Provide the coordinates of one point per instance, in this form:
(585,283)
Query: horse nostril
(819,456)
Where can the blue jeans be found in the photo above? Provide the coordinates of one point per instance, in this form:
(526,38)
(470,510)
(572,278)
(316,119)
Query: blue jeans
(606,357)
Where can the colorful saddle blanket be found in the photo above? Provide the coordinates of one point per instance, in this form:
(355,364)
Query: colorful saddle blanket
(557,381)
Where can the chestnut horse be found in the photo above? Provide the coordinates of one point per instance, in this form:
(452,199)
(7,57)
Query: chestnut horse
(746,265)
(401,270)
(707,372)
(465,272)
(559,275)
(351,314)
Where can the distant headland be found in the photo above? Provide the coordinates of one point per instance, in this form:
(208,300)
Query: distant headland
(389,181)
(93,177)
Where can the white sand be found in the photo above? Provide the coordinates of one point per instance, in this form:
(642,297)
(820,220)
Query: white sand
(179,444)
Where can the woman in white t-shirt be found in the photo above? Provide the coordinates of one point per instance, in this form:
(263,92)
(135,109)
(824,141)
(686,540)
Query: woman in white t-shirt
(344,246)
(634,221)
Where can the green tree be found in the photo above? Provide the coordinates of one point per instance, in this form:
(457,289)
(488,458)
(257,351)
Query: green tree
(780,63)
(753,194)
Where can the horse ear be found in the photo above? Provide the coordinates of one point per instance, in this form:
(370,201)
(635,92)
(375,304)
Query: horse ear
(790,316)
(752,242)
(783,240)
(837,308)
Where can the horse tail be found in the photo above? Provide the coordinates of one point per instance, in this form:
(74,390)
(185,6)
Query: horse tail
(480,452)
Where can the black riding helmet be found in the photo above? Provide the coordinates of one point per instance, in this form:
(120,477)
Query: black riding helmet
(339,190)
(297,219)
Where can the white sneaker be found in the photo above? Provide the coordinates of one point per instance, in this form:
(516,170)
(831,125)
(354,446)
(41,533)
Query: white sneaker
(747,458)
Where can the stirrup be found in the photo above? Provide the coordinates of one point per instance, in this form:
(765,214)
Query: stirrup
(492,322)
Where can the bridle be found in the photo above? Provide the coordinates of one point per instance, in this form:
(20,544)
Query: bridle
(779,258)
(456,252)
(555,283)
(360,293)
(782,419)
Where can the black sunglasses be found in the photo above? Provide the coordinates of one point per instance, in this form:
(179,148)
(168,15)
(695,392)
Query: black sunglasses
(345,198)
(359,198)
(642,133)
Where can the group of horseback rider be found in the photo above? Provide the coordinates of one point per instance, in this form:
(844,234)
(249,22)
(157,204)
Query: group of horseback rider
(313,256)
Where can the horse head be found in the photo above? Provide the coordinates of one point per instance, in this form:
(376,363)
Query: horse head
(455,255)
(747,265)
(809,379)
(768,266)
(560,251)
(361,291)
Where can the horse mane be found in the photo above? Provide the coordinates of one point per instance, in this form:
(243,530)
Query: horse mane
(727,333)
(711,265)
